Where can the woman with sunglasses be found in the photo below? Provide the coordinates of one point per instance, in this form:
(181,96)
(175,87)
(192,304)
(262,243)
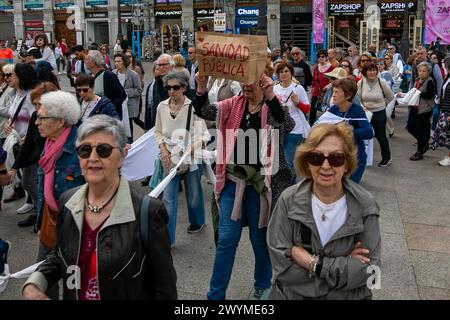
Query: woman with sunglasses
(99,227)
(324,233)
(391,66)
(364,58)
(320,83)
(92,104)
(171,135)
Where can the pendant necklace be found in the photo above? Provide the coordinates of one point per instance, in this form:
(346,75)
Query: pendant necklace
(98,209)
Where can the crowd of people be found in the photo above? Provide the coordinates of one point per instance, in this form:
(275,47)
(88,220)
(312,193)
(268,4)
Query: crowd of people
(286,173)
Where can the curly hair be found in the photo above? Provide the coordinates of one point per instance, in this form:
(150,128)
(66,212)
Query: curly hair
(125,60)
(27,76)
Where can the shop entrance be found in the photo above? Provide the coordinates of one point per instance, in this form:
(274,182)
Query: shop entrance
(171,37)
(101,32)
(392,27)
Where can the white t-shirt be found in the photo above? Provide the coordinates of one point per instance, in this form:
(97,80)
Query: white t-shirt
(213,92)
(23,119)
(301,125)
(329,218)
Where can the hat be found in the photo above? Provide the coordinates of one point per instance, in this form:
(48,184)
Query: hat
(33,51)
(337,73)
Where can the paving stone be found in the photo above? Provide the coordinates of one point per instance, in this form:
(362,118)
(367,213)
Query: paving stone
(428,238)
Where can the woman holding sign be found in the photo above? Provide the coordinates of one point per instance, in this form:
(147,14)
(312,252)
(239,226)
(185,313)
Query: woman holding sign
(250,174)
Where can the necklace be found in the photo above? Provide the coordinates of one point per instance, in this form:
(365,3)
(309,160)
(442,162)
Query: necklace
(324,208)
(97,209)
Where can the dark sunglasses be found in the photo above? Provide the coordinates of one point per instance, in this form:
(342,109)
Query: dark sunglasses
(7,75)
(103,150)
(322,56)
(334,159)
(365,60)
(84,90)
(175,87)
(295,53)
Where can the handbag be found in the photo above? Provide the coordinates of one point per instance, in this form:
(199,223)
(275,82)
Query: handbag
(177,152)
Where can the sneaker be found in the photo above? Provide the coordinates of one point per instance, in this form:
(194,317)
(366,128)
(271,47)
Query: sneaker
(260,294)
(384,162)
(4,249)
(416,156)
(445,162)
(27,207)
(192,229)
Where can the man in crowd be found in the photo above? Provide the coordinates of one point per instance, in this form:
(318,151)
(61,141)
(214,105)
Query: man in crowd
(302,71)
(332,58)
(353,55)
(106,83)
(192,66)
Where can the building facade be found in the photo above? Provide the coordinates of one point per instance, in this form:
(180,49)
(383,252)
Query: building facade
(349,22)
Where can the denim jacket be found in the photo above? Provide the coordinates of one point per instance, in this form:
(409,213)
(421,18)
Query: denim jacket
(67,174)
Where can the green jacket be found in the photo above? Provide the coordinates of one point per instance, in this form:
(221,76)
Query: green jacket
(341,277)
(249,174)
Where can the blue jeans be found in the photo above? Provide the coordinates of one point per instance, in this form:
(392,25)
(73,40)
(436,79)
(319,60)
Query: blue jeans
(291,141)
(358,174)
(195,202)
(229,236)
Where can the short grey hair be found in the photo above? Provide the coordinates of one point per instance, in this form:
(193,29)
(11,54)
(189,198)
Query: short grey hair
(177,75)
(62,105)
(106,124)
(96,57)
(302,53)
(168,57)
(426,65)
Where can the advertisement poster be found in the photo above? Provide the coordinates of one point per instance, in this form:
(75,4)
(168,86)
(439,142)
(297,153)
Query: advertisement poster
(318,20)
(6,5)
(437,17)
(33,28)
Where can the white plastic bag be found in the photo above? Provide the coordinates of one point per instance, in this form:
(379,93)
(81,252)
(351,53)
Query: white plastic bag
(369,152)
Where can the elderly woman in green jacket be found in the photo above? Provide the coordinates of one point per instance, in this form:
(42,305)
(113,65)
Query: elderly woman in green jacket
(324,235)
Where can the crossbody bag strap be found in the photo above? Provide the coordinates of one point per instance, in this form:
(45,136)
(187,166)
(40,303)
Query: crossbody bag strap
(379,82)
(144,218)
(16,114)
(188,125)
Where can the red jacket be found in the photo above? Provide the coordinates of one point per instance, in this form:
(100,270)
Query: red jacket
(319,80)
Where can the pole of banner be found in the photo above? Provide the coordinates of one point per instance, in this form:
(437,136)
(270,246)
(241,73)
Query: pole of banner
(119,22)
(133,42)
(313,53)
(139,51)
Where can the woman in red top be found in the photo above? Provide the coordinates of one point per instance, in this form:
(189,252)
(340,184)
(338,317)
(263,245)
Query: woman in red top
(320,83)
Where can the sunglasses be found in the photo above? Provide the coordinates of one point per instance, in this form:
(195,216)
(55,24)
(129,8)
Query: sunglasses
(84,90)
(345,66)
(7,75)
(103,150)
(390,48)
(175,87)
(365,60)
(334,159)
(387,58)
(322,56)
(295,53)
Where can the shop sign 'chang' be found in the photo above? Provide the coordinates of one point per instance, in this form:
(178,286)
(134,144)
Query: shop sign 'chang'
(236,57)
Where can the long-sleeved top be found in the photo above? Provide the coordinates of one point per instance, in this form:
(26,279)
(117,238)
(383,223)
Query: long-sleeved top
(155,94)
(436,75)
(32,148)
(373,92)
(362,130)
(113,90)
(302,72)
(49,56)
(320,81)
(445,100)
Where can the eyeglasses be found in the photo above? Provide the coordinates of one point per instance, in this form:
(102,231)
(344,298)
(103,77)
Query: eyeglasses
(322,57)
(175,87)
(103,150)
(334,159)
(7,75)
(345,66)
(162,64)
(295,53)
(391,48)
(191,52)
(387,58)
(84,90)
(40,118)
(364,60)
(380,63)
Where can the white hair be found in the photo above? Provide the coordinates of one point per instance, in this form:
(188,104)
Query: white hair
(168,57)
(96,57)
(62,105)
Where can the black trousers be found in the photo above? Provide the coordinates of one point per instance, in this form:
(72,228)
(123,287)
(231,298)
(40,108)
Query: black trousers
(313,111)
(419,127)
(378,123)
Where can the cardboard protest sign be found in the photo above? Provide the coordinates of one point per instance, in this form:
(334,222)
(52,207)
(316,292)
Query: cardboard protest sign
(235,57)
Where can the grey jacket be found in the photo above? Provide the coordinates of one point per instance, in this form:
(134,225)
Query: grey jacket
(133,88)
(341,277)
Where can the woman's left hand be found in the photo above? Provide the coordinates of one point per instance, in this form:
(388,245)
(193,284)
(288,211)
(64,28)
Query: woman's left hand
(294,98)
(301,257)
(266,85)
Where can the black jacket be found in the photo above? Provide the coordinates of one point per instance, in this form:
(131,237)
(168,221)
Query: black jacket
(113,90)
(126,269)
(30,151)
(158,93)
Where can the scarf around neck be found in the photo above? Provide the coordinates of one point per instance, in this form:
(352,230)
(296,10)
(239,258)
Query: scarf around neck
(52,152)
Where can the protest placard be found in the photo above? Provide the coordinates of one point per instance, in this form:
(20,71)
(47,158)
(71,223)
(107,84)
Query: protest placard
(235,57)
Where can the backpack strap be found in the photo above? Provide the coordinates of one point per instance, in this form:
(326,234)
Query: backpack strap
(144,217)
